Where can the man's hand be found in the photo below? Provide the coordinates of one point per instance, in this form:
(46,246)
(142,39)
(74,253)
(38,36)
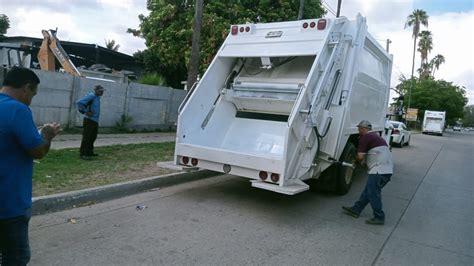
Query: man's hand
(50,130)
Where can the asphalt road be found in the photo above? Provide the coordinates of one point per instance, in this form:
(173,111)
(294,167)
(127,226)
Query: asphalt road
(224,221)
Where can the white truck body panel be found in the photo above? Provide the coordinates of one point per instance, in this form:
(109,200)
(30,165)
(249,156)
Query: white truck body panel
(434,122)
(272,88)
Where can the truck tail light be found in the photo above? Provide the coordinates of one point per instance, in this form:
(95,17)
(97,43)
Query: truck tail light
(235,30)
(322,24)
(263,175)
(194,161)
(312,24)
(275,177)
(305,25)
(247,29)
(241,29)
(185,160)
(395,131)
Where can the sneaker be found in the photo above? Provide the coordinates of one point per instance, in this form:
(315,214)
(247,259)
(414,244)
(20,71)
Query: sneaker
(350,211)
(376,221)
(86,158)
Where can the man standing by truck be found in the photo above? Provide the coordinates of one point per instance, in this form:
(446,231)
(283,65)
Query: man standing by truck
(20,143)
(89,106)
(378,158)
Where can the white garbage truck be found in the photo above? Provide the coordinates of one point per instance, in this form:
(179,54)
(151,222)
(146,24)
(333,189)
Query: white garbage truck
(434,122)
(280,102)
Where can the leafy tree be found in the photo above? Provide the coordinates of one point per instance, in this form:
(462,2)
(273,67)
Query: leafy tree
(436,95)
(110,44)
(167,29)
(468,120)
(4,24)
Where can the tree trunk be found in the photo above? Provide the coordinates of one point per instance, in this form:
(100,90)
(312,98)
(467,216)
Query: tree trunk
(412,71)
(193,66)
(301,10)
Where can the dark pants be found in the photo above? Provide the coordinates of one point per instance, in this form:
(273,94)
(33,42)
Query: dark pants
(373,194)
(89,135)
(14,243)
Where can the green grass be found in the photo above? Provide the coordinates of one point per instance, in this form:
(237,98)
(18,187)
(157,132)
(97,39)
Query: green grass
(63,170)
(112,130)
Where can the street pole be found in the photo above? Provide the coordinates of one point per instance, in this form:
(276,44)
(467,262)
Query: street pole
(388,45)
(338,8)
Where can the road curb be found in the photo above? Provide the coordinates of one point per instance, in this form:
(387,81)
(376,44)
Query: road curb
(67,200)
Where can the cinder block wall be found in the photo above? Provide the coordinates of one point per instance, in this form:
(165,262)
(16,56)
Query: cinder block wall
(150,107)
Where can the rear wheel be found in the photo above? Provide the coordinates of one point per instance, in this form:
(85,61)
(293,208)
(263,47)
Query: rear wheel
(400,145)
(408,142)
(345,174)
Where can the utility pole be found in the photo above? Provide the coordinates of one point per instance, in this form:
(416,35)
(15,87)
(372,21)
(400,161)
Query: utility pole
(388,45)
(338,8)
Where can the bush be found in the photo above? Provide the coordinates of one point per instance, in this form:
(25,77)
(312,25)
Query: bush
(153,79)
(122,125)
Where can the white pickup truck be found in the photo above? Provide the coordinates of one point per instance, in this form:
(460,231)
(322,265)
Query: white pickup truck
(280,102)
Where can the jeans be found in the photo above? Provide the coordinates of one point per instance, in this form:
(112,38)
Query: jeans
(373,194)
(89,135)
(14,243)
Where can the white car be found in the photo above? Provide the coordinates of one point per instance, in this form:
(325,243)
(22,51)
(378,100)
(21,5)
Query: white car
(400,134)
(457,128)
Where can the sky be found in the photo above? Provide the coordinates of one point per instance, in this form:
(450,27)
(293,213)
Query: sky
(94,21)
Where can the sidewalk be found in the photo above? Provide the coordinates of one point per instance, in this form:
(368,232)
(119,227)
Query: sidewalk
(74,141)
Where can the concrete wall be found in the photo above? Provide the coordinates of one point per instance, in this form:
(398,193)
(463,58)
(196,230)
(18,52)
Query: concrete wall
(151,107)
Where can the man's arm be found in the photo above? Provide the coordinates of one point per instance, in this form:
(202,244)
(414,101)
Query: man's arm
(48,132)
(83,103)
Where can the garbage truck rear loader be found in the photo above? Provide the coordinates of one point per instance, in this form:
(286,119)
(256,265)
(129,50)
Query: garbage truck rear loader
(280,102)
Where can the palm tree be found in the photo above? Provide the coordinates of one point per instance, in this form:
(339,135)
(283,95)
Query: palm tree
(425,70)
(436,62)
(425,45)
(193,66)
(112,45)
(300,10)
(415,20)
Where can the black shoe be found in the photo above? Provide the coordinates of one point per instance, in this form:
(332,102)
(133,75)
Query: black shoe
(350,211)
(376,221)
(94,154)
(86,158)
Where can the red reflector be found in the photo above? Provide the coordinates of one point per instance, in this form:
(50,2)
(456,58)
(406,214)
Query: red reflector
(185,160)
(194,161)
(305,25)
(321,24)
(235,30)
(312,25)
(263,175)
(275,177)
(247,29)
(241,29)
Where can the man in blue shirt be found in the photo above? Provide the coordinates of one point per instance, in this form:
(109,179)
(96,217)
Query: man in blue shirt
(89,106)
(20,143)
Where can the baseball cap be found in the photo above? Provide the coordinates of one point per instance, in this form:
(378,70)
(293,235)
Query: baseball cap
(365,123)
(98,87)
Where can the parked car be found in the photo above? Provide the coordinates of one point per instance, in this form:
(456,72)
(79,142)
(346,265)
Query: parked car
(400,134)
(457,128)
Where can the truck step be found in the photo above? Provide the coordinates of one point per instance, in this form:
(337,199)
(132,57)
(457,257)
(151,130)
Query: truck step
(292,189)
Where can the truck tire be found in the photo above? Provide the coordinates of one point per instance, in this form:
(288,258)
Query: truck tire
(400,145)
(345,174)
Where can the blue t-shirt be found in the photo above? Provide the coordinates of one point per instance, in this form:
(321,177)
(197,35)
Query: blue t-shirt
(18,135)
(90,103)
